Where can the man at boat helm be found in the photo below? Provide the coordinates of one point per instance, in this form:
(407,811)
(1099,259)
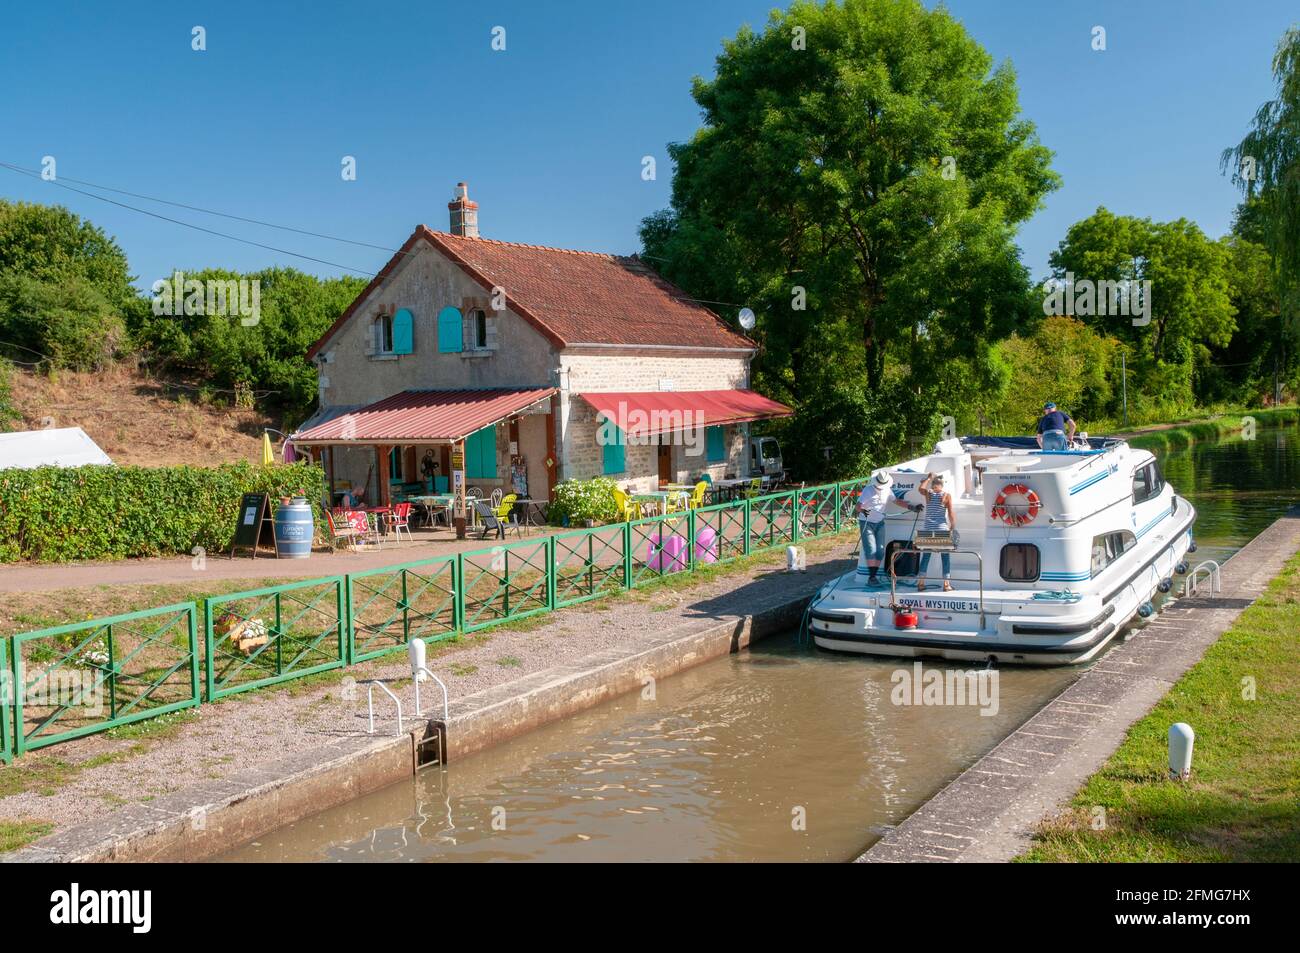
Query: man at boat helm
(1053,427)
(876,496)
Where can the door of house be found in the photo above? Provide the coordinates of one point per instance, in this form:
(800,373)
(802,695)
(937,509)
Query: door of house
(665,461)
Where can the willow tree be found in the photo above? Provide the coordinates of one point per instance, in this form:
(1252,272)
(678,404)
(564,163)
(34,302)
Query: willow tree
(1266,166)
(858,179)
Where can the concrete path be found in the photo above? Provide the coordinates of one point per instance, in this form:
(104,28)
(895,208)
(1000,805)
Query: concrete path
(990,811)
(43,577)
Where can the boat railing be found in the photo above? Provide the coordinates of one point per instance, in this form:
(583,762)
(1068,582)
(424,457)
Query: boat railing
(935,551)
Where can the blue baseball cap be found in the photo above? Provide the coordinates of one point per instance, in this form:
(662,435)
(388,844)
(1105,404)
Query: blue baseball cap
(1049,406)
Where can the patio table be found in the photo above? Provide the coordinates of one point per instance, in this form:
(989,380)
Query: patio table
(528,507)
(657,498)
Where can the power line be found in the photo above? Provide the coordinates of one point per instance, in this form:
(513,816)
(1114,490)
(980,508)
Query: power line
(62,180)
(206,211)
(199,228)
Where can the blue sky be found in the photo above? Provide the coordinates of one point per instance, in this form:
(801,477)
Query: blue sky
(550,132)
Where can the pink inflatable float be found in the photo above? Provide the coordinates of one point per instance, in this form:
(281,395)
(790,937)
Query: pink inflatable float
(672,557)
(706,545)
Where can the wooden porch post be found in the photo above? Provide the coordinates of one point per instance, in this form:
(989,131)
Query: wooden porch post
(552,454)
(385,497)
(458,486)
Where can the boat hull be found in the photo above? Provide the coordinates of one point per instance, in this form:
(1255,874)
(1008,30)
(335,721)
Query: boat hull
(844,621)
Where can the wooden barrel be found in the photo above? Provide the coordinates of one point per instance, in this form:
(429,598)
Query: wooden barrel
(294,529)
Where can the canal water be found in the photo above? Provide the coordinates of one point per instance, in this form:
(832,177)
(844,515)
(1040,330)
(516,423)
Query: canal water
(779,753)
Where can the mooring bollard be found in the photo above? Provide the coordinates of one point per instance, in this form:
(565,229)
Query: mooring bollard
(796,559)
(1181,741)
(417,651)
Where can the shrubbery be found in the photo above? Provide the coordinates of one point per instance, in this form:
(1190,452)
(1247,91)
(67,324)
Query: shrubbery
(107,512)
(578,500)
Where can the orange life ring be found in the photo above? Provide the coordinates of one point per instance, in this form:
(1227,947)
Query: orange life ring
(1033,505)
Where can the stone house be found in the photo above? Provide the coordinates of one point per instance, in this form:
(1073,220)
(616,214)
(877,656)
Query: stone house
(529,364)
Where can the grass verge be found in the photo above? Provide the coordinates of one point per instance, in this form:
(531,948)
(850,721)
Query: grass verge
(1243,801)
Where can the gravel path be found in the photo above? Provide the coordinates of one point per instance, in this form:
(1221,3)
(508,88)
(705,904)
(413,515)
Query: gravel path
(89,777)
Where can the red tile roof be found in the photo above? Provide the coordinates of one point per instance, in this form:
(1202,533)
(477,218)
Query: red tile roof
(644,413)
(415,415)
(574,297)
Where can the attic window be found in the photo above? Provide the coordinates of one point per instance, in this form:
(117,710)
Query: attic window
(384,334)
(480,329)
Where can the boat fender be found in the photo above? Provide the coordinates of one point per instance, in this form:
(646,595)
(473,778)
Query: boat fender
(1181,569)
(1165,585)
(1146,610)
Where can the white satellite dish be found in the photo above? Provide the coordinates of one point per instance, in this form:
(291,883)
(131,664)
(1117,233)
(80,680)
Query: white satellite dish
(747,319)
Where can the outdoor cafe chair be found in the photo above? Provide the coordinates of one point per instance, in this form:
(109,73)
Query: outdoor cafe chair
(399,519)
(341,531)
(489,522)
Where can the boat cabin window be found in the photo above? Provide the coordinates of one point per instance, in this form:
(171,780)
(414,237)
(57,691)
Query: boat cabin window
(1147,482)
(1109,547)
(1019,562)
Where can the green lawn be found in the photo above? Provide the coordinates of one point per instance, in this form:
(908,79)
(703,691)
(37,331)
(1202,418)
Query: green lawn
(1243,802)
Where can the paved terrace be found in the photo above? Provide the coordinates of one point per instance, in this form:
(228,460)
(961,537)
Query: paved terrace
(424,544)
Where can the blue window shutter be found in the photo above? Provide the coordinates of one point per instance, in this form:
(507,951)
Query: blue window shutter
(481,455)
(716,449)
(615,454)
(450,331)
(403,332)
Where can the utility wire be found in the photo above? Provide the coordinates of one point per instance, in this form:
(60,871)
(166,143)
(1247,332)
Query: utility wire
(205,211)
(200,228)
(62,180)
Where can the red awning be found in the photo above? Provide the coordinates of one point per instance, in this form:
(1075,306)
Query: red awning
(423,416)
(645,413)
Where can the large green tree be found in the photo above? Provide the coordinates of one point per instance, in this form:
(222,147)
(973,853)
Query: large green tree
(266,358)
(64,287)
(858,179)
(1266,165)
(1189,305)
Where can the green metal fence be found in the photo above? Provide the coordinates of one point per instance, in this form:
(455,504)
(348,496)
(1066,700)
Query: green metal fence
(267,636)
(6,681)
(78,679)
(145,664)
(387,608)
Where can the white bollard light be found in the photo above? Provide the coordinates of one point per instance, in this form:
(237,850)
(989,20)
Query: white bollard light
(416,650)
(1181,741)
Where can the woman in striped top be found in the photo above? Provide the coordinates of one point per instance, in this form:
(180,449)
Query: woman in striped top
(938,516)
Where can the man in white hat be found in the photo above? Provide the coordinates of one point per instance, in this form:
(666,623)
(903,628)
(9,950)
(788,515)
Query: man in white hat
(876,496)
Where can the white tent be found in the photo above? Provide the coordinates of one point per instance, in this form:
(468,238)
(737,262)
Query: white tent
(58,447)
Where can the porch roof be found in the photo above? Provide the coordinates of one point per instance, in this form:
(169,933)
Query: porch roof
(645,413)
(423,416)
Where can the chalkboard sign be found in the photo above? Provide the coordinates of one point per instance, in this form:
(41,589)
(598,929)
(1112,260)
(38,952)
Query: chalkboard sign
(254,525)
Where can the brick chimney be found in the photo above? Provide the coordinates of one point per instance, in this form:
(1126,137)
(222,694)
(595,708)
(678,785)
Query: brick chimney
(464,213)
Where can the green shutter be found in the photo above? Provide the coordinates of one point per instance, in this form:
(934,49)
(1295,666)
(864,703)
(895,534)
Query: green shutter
(450,331)
(481,455)
(615,454)
(716,450)
(403,332)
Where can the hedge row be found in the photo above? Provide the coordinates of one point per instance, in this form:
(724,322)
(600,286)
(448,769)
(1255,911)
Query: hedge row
(108,512)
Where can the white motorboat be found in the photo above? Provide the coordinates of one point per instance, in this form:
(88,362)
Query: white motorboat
(1055,552)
